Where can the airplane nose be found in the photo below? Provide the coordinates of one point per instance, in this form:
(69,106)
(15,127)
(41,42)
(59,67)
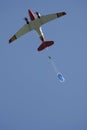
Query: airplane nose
(29,11)
(31,14)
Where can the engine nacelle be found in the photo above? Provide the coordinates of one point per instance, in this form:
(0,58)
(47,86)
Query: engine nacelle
(26,20)
(38,14)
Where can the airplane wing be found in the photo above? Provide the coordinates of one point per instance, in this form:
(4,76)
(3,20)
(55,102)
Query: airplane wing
(50,17)
(26,28)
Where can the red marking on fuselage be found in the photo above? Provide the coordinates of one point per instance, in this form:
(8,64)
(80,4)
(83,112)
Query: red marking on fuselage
(31,14)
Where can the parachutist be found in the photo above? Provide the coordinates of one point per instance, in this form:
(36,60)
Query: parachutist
(49,57)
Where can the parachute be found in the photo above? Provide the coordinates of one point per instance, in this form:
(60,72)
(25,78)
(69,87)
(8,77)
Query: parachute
(59,75)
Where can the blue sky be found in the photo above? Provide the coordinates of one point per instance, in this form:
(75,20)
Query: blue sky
(31,97)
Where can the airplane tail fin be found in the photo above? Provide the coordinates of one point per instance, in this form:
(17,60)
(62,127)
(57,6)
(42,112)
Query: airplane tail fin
(45,44)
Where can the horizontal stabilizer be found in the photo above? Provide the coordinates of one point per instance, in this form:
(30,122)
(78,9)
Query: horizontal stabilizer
(45,45)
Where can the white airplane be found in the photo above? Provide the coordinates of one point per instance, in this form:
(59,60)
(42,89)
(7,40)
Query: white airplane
(35,24)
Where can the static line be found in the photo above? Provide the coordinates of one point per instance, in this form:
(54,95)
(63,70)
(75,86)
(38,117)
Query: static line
(53,64)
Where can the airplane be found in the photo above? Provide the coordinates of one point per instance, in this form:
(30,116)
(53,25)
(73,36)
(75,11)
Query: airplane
(35,23)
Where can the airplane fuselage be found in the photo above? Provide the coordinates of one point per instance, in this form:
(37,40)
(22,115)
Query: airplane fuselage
(36,25)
